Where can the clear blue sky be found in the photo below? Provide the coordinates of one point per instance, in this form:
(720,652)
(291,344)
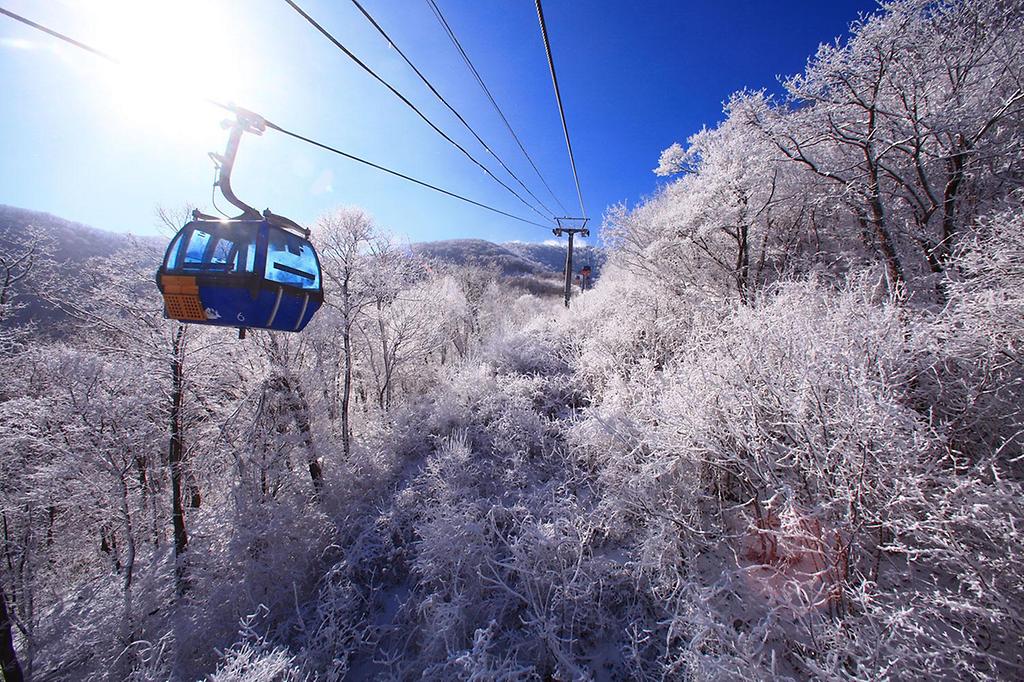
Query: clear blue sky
(85,143)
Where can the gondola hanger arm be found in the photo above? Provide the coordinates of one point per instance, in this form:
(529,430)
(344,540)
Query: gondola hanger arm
(245,122)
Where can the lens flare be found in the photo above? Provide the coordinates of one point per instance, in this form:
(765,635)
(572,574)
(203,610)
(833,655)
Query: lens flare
(173,55)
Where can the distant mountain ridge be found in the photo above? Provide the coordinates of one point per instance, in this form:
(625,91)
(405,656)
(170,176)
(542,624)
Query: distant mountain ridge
(70,241)
(552,256)
(534,267)
(477,251)
(512,259)
(76,242)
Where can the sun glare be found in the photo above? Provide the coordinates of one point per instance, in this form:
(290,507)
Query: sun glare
(173,54)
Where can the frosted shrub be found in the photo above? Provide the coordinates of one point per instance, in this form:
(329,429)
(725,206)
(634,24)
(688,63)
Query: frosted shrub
(792,507)
(630,324)
(337,627)
(485,662)
(524,351)
(974,362)
(495,540)
(249,662)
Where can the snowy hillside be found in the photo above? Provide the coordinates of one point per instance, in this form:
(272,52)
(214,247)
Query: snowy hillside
(782,438)
(68,246)
(513,258)
(551,254)
(479,251)
(69,241)
(60,249)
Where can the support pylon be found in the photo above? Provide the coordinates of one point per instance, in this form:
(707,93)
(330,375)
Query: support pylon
(571,231)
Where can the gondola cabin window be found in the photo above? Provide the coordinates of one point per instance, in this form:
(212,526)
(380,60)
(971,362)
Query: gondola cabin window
(291,260)
(233,250)
(197,244)
(233,254)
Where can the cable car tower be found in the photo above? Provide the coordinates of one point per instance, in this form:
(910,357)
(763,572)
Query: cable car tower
(571,227)
(253,271)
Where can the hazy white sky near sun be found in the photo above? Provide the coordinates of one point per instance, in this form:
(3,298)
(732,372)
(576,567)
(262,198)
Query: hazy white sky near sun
(102,145)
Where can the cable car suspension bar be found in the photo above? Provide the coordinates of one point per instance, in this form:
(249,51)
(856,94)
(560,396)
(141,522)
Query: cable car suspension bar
(245,122)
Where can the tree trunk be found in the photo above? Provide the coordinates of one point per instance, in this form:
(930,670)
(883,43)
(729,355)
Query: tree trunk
(346,388)
(384,389)
(300,413)
(175,457)
(955,176)
(8,657)
(129,533)
(893,269)
(743,261)
(127,621)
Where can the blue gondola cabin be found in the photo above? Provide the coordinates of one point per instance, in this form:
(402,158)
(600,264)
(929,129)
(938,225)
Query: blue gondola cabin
(245,273)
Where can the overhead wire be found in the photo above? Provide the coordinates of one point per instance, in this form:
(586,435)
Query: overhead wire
(455,195)
(561,109)
(439,15)
(405,100)
(88,48)
(233,109)
(60,36)
(444,101)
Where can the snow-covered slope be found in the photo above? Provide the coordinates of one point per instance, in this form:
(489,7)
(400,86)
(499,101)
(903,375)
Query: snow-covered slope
(479,252)
(512,258)
(68,240)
